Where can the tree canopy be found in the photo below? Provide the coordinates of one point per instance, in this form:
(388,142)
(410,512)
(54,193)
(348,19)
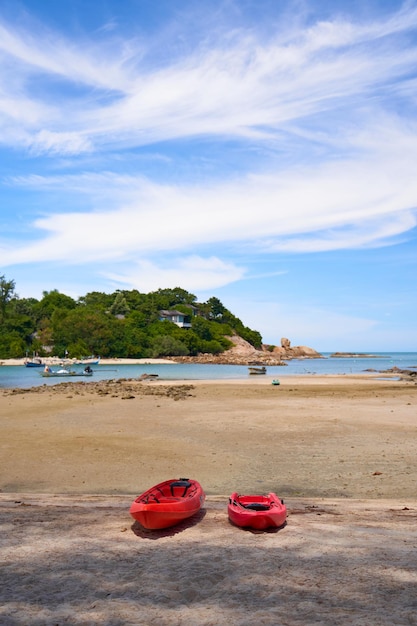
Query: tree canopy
(122,324)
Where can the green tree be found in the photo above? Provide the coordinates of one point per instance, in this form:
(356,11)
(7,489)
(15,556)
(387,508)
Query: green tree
(136,343)
(91,325)
(137,319)
(216,308)
(81,324)
(6,294)
(203,328)
(170,298)
(120,305)
(52,300)
(96,300)
(165,345)
(134,299)
(12,345)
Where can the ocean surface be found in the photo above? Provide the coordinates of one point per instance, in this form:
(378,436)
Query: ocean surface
(18,376)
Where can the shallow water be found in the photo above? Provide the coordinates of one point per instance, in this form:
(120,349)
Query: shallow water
(24,377)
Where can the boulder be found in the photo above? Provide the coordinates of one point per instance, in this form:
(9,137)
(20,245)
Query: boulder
(285,343)
(243,353)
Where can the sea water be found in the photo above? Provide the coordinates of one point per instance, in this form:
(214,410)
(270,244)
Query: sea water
(18,376)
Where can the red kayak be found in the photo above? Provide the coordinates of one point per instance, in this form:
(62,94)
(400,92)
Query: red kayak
(258,512)
(168,503)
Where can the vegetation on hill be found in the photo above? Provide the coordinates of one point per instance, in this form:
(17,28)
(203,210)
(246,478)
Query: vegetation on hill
(124,324)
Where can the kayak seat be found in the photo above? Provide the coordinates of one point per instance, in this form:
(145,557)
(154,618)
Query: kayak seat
(182,485)
(256,506)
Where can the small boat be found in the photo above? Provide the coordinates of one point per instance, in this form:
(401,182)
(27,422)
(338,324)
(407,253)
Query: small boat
(48,373)
(168,503)
(257,512)
(36,362)
(257,370)
(90,360)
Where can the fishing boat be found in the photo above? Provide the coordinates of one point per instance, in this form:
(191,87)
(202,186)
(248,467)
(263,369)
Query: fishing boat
(168,503)
(35,362)
(90,360)
(257,511)
(257,370)
(48,373)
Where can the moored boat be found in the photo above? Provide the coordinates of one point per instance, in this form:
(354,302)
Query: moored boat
(257,370)
(35,362)
(90,360)
(168,503)
(48,373)
(257,511)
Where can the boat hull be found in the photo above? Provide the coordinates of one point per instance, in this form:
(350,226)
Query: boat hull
(91,361)
(168,503)
(64,374)
(257,370)
(257,511)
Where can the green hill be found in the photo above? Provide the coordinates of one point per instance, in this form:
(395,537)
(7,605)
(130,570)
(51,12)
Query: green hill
(124,324)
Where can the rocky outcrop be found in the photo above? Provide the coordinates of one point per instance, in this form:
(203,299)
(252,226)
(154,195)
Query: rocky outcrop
(403,374)
(243,353)
(354,355)
(285,351)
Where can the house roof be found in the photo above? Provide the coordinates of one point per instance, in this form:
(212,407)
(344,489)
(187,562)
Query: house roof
(172,312)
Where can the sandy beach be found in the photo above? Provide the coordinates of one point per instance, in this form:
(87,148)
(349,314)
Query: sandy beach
(340,451)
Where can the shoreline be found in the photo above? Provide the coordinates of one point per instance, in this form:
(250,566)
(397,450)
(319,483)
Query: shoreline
(361,379)
(281,374)
(69,362)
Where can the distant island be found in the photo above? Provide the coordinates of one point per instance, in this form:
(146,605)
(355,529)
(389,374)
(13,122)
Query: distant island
(355,355)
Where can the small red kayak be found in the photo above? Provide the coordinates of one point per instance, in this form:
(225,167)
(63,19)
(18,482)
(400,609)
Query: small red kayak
(258,512)
(168,503)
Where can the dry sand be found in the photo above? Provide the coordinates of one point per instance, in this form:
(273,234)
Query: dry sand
(340,450)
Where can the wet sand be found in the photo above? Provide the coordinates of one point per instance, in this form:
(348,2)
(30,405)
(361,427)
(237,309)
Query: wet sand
(340,450)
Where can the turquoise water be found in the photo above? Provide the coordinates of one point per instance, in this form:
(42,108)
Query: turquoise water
(24,377)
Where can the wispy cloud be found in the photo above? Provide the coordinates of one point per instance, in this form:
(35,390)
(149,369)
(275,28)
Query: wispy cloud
(361,201)
(329,160)
(240,86)
(190,273)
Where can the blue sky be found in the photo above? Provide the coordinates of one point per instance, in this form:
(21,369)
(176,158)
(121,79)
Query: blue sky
(260,151)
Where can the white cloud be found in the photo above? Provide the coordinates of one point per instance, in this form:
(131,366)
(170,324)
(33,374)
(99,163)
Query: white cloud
(191,273)
(240,86)
(60,143)
(49,53)
(363,201)
(237,142)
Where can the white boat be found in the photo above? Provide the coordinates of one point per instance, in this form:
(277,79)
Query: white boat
(48,373)
(90,360)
